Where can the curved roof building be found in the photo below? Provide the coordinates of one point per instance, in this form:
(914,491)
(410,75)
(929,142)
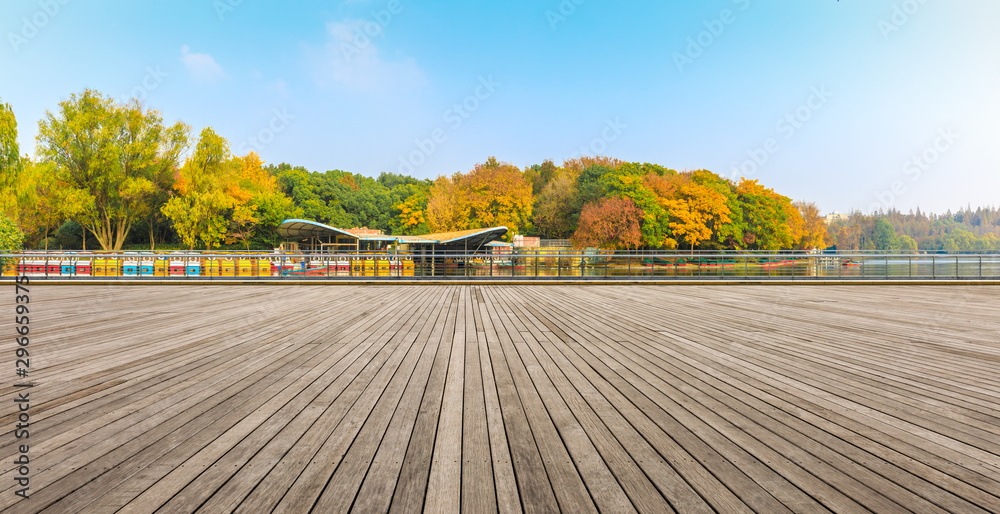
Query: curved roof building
(315,236)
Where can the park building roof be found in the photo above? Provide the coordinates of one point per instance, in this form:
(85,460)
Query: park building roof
(325,235)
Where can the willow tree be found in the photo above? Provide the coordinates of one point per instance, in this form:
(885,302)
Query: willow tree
(111,157)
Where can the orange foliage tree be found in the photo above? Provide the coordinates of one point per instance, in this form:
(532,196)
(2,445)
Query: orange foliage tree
(611,222)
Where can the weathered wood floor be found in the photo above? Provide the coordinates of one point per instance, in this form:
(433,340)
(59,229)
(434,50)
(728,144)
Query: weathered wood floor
(509,398)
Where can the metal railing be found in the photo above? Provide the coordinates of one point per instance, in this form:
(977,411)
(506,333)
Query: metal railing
(540,263)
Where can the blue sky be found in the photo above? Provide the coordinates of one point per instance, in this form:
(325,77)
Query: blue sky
(852,104)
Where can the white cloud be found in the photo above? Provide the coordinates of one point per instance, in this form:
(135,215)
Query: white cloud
(351,58)
(201,67)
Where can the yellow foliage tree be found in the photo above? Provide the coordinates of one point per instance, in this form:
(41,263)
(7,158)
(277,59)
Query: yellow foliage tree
(814,229)
(443,206)
(693,209)
(492,194)
(412,213)
(208,189)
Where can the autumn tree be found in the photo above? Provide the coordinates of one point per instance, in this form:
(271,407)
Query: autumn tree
(41,208)
(497,194)
(109,154)
(796,224)
(814,227)
(540,175)
(694,210)
(259,206)
(725,234)
(204,188)
(553,210)
(494,193)
(444,206)
(612,222)
(628,180)
(412,216)
(576,165)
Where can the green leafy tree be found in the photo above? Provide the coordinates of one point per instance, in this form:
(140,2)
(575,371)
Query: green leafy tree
(628,181)
(907,243)
(11,237)
(110,155)
(765,217)
(10,159)
(885,236)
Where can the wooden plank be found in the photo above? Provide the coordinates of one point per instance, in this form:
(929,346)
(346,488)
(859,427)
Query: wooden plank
(512,398)
(478,486)
(570,490)
(444,487)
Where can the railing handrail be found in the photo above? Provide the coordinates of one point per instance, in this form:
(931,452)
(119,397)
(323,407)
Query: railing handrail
(518,263)
(69,254)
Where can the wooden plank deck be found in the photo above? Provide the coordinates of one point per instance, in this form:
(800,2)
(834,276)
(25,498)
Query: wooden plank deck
(484,398)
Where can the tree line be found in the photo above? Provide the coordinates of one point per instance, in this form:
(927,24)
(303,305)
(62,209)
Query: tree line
(113,175)
(965,230)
